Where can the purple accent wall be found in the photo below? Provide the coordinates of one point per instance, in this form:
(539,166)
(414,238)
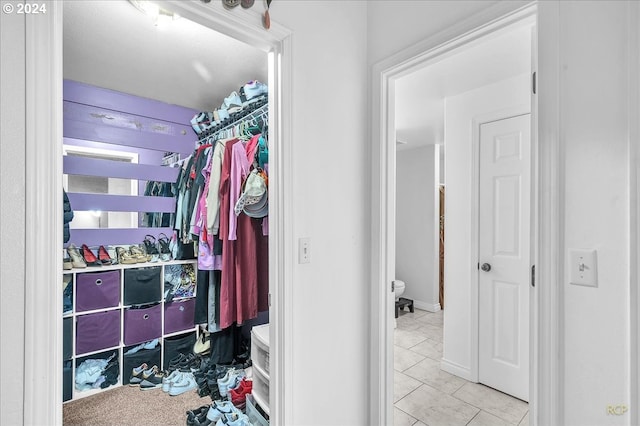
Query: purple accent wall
(114,236)
(121,203)
(118,101)
(117,169)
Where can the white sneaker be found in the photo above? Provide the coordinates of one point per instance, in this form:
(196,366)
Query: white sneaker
(255,89)
(220,408)
(175,376)
(232,103)
(187,383)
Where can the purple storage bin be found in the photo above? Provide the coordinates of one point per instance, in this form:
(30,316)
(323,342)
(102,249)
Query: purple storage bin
(97,331)
(142,325)
(97,290)
(179,315)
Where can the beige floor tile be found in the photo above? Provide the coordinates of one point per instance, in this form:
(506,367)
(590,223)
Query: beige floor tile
(428,371)
(403,385)
(404,358)
(525,420)
(419,424)
(430,331)
(485,419)
(490,400)
(433,318)
(435,408)
(400,418)
(429,348)
(408,338)
(406,322)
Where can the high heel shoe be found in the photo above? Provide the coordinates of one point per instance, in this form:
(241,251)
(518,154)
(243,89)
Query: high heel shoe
(76,259)
(103,256)
(125,257)
(163,247)
(151,249)
(89,257)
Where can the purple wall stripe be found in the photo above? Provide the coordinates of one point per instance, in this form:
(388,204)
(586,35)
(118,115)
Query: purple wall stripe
(126,137)
(118,101)
(117,169)
(114,237)
(121,203)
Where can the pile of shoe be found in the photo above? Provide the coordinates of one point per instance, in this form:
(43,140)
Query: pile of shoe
(219,413)
(246,98)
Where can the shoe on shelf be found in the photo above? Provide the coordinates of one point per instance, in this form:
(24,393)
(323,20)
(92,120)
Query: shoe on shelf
(139,254)
(253,90)
(163,248)
(125,257)
(103,256)
(185,384)
(89,257)
(67,264)
(151,249)
(136,375)
(232,103)
(77,261)
(223,113)
(153,381)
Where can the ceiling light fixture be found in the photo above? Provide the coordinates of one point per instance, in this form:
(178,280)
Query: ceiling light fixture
(160,17)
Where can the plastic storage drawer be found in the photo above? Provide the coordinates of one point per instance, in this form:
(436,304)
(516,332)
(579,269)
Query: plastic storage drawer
(260,390)
(255,416)
(142,325)
(179,315)
(97,331)
(260,348)
(97,290)
(142,285)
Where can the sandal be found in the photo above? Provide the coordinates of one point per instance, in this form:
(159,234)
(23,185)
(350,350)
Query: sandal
(163,247)
(125,257)
(138,253)
(151,249)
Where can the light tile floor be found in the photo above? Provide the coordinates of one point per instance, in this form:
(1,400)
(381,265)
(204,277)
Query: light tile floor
(425,395)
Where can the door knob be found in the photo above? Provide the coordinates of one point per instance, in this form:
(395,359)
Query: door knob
(485,267)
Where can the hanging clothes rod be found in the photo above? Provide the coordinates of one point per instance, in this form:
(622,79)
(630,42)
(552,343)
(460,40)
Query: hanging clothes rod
(259,109)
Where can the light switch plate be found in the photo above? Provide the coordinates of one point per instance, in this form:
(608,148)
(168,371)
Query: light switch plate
(583,267)
(304,250)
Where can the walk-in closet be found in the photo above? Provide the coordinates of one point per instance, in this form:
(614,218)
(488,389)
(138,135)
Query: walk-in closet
(166,220)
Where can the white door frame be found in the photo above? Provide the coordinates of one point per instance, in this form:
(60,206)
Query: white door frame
(545,393)
(43,222)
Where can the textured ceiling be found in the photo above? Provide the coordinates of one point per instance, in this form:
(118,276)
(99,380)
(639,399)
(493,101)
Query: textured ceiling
(112,44)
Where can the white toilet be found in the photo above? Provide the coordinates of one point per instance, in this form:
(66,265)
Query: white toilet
(398,286)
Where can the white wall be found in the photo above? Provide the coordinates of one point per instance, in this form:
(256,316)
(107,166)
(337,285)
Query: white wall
(12,213)
(460,256)
(417,197)
(331,199)
(595,121)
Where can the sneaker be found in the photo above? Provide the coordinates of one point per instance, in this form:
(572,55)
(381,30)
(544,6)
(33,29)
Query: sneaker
(136,375)
(229,381)
(223,113)
(185,384)
(219,409)
(234,419)
(154,381)
(150,372)
(232,103)
(253,90)
(167,381)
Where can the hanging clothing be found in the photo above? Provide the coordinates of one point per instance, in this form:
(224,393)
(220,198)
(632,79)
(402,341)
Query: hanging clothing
(67,217)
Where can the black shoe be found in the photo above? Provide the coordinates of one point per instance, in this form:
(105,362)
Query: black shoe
(154,381)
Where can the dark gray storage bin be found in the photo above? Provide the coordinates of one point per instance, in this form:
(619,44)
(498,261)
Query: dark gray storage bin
(67,338)
(142,285)
(130,361)
(182,344)
(67,381)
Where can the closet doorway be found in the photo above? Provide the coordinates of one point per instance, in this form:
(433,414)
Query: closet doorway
(46,46)
(502,90)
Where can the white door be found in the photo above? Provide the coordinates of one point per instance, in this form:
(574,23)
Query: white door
(504,255)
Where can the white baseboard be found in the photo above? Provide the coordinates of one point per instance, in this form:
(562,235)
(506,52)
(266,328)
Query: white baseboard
(456,369)
(431,307)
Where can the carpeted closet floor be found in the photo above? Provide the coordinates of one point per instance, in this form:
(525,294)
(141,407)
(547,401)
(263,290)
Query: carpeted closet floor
(127,405)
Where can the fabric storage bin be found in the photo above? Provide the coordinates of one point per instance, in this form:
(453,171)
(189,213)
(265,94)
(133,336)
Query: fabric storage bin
(97,290)
(255,416)
(130,361)
(182,344)
(67,381)
(67,338)
(142,285)
(142,324)
(179,315)
(97,331)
